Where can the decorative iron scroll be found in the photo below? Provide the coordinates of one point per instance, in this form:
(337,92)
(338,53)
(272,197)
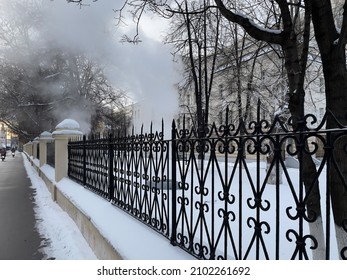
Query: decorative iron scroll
(141,178)
(228,209)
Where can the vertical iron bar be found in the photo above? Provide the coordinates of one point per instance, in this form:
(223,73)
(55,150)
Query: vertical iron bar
(110,169)
(141,170)
(132,162)
(84,161)
(226,181)
(174,183)
(193,177)
(278,174)
(239,160)
(166,173)
(328,154)
(301,195)
(258,205)
(201,187)
(150,160)
(258,194)
(214,160)
(162,161)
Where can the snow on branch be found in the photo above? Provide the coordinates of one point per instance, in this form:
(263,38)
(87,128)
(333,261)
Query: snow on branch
(253,29)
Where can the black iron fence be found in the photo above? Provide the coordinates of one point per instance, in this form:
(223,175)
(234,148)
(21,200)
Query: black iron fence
(254,191)
(38,151)
(51,153)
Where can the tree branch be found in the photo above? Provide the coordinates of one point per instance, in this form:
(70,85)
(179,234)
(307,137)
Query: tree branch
(343,34)
(257,32)
(205,9)
(79,2)
(324,26)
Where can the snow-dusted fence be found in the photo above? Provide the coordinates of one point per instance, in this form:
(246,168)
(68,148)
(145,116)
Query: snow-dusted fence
(222,205)
(132,172)
(205,196)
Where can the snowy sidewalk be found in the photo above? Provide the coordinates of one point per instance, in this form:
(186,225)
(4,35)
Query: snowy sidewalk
(131,239)
(19,238)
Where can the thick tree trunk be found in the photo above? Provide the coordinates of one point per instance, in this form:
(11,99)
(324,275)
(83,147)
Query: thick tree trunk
(337,182)
(336,89)
(309,173)
(325,34)
(296,66)
(332,49)
(313,206)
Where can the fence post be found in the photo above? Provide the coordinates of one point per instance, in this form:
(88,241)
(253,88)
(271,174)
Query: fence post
(44,138)
(65,130)
(28,148)
(110,169)
(35,143)
(174,184)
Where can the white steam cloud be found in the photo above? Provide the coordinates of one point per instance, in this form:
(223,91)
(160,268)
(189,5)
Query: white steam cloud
(145,70)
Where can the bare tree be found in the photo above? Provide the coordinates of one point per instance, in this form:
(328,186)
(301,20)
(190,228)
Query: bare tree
(290,30)
(195,37)
(42,83)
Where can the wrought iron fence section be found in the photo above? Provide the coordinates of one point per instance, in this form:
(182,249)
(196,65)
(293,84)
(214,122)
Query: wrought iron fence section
(233,201)
(38,151)
(76,164)
(96,166)
(226,192)
(88,164)
(51,153)
(141,179)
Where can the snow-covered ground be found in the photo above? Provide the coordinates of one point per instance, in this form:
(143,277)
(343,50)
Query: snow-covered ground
(65,242)
(131,238)
(143,247)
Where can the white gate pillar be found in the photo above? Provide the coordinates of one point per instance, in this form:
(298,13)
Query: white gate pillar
(64,131)
(35,143)
(45,137)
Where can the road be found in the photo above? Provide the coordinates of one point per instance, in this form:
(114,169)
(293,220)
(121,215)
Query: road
(19,240)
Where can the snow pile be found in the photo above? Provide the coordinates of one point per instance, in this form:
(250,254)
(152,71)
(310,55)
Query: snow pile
(63,239)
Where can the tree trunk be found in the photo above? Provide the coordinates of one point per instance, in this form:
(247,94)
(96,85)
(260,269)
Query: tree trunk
(295,67)
(296,108)
(313,200)
(336,88)
(332,45)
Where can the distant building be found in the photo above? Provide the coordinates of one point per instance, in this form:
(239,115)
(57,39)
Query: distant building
(7,137)
(239,90)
